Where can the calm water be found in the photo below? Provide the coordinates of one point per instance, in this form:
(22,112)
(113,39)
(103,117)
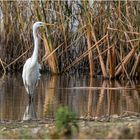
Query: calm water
(54,91)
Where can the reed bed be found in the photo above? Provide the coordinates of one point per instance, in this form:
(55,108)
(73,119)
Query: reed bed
(96,38)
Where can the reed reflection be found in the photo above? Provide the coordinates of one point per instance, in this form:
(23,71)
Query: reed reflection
(50,92)
(54,91)
(90,100)
(12,98)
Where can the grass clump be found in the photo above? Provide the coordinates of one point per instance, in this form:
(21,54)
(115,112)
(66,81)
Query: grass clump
(66,123)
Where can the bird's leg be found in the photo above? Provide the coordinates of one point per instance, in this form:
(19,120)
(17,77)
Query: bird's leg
(30,96)
(31,99)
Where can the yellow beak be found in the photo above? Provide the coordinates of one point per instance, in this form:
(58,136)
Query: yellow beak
(49,24)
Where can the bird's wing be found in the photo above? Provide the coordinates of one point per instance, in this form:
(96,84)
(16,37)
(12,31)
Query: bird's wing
(25,67)
(24,73)
(38,73)
(39,68)
(31,75)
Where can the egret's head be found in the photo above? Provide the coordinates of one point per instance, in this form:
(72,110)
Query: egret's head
(38,24)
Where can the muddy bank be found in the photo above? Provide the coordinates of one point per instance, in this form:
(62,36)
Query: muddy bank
(127,127)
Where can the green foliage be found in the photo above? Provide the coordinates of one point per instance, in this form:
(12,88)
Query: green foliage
(66,122)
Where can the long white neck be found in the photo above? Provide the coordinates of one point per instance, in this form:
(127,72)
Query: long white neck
(34,56)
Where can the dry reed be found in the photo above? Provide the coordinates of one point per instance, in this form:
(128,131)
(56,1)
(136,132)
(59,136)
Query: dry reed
(79,25)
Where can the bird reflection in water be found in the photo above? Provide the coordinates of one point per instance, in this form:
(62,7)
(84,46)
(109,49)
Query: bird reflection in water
(30,112)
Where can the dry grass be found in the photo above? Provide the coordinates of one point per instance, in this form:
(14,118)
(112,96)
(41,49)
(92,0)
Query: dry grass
(69,44)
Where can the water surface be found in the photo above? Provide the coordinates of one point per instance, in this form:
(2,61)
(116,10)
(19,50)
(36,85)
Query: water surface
(54,91)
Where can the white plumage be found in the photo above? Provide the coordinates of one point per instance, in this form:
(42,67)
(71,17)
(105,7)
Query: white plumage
(31,68)
(30,75)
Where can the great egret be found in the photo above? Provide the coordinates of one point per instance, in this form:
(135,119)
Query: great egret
(30,73)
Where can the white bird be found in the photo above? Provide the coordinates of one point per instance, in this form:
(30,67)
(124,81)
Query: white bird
(31,68)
